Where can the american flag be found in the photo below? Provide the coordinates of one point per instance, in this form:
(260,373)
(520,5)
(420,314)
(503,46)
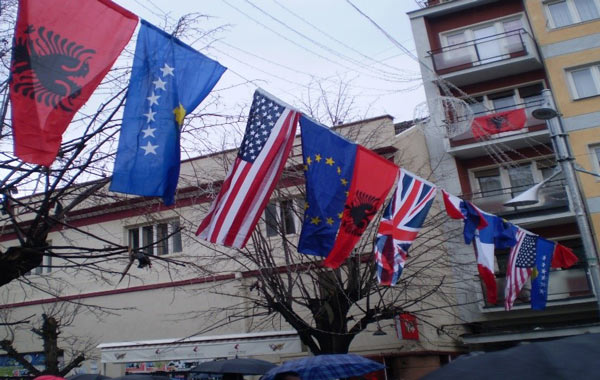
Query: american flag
(521,261)
(400,224)
(260,160)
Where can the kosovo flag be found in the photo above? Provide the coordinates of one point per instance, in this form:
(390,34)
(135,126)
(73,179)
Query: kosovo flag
(168,80)
(328,167)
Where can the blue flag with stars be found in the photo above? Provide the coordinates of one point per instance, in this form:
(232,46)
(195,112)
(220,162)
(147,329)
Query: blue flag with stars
(541,274)
(168,80)
(328,168)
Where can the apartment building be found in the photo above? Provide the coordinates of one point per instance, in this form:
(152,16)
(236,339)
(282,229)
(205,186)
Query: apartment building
(169,316)
(567,33)
(490,147)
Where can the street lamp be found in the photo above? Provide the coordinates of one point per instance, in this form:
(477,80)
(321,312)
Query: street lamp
(567,166)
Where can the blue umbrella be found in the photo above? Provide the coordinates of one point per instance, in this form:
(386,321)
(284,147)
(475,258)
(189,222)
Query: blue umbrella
(324,367)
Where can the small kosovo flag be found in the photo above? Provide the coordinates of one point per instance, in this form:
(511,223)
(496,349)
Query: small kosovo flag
(168,80)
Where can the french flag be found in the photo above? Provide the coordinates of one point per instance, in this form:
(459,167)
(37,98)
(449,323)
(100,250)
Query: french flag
(474,219)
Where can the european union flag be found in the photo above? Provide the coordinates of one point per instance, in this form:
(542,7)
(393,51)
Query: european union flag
(168,80)
(328,168)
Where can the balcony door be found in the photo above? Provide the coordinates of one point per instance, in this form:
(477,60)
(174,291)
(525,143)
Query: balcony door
(487,44)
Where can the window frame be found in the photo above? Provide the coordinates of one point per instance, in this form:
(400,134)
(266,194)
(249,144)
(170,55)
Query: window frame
(506,185)
(573,13)
(141,232)
(594,150)
(468,32)
(595,71)
(488,102)
(296,211)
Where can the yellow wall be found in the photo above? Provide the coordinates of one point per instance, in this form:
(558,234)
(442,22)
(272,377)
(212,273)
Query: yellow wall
(580,140)
(555,67)
(544,35)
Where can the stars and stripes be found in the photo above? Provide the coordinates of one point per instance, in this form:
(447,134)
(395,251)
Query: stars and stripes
(400,224)
(521,262)
(266,145)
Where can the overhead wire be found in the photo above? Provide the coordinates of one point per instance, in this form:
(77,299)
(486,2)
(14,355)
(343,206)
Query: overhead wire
(322,46)
(494,150)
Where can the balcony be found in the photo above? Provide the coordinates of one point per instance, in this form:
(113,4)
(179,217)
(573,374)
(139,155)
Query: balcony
(462,143)
(563,285)
(553,199)
(486,58)
(431,3)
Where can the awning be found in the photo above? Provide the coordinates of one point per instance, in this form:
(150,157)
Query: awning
(202,348)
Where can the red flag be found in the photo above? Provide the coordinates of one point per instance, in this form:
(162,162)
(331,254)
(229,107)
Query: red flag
(372,180)
(244,194)
(563,257)
(62,50)
(499,122)
(406,326)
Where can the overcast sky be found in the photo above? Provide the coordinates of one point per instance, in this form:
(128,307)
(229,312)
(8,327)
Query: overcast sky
(326,40)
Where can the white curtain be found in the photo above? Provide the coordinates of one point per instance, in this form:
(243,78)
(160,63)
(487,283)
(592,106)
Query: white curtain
(587,9)
(560,14)
(584,83)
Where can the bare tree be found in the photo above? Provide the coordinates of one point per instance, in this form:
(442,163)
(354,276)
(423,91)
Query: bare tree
(48,331)
(330,307)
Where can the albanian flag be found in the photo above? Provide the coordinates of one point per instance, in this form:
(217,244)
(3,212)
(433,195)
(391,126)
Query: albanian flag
(373,178)
(62,50)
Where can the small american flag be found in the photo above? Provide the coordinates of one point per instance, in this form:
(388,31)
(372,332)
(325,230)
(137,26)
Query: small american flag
(521,261)
(261,158)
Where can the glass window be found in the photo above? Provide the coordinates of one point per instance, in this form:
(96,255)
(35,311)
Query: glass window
(521,178)
(560,14)
(165,237)
(162,243)
(597,153)
(567,12)
(455,38)
(583,80)
(287,216)
(586,9)
(148,240)
(176,236)
(489,182)
(134,238)
(503,101)
(271,219)
(281,217)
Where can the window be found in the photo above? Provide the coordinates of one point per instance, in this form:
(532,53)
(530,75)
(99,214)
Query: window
(511,180)
(528,96)
(595,157)
(521,178)
(481,43)
(585,81)
(46,265)
(161,238)
(567,12)
(489,182)
(282,216)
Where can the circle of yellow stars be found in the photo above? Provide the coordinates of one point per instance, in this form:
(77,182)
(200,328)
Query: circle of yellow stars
(329,161)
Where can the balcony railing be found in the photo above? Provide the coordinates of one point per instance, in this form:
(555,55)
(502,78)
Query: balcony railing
(553,198)
(461,135)
(430,3)
(480,51)
(562,285)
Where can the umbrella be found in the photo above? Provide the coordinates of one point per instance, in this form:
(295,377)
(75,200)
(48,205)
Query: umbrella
(88,376)
(323,367)
(575,357)
(145,376)
(243,366)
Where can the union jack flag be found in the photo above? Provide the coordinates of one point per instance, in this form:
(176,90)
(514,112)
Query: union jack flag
(400,224)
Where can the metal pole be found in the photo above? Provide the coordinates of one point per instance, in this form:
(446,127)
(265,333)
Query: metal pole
(566,161)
